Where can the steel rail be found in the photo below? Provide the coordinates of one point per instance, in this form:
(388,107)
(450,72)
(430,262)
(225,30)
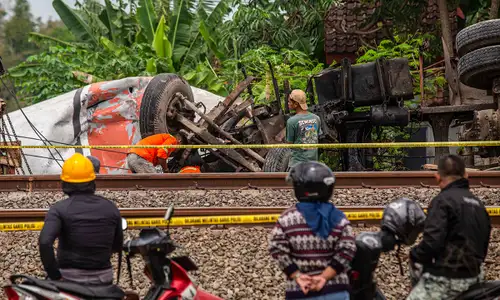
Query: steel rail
(232,181)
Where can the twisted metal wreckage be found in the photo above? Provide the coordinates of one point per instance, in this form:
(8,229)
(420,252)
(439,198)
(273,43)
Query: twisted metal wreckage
(121,112)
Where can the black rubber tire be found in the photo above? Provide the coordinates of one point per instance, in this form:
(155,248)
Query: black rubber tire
(155,102)
(277,160)
(479,68)
(477,36)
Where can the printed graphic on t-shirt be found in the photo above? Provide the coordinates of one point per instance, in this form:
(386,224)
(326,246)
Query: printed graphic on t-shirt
(308,131)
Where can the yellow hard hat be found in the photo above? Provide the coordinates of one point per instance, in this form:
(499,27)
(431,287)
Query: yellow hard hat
(77,169)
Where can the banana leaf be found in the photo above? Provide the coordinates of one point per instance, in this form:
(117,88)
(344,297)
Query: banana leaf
(146,17)
(208,39)
(74,22)
(151,66)
(161,44)
(109,18)
(211,20)
(180,33)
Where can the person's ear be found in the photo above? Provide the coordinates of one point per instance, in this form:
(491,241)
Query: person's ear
(438,177)
(466,175)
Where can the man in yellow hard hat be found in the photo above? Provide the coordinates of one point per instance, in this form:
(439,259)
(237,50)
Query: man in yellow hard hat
(87,225)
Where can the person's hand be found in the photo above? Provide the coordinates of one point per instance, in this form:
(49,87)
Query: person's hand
(318,282)
(304,282)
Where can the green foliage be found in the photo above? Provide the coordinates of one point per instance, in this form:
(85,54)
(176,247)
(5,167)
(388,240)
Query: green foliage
(125,39)
(60,68)
(293,65)
(389,159)
(475,10)
(146,17)
(292,24)
(408,46)
(205,77)
(332,159)
(16,31)
(80,29)
(56,30)
(404,14)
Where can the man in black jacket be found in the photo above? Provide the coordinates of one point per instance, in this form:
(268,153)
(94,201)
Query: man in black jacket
(456,237)
(88,227)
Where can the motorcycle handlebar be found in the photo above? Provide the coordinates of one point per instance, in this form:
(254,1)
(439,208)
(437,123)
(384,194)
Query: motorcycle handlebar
(165,244)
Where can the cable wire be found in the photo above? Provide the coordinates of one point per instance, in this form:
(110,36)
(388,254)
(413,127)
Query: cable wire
(37,132)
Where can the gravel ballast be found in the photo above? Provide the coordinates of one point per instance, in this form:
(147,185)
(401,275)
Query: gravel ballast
(190,198)
(234,263)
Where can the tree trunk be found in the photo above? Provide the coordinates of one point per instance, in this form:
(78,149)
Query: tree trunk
(449,55)
(494,9)
(445,25)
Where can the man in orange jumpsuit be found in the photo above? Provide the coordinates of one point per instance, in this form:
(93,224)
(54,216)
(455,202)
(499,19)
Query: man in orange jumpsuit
(144,160)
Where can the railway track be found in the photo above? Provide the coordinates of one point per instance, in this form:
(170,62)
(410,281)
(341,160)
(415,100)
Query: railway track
(32,219)
(231,181)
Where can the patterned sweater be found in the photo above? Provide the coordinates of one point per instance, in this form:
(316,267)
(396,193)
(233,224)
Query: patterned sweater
(295,246)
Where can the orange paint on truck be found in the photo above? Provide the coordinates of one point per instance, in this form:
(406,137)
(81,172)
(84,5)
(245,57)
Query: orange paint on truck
(109,127)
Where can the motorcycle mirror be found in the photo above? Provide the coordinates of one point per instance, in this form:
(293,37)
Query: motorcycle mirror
(169,213)
(124,224)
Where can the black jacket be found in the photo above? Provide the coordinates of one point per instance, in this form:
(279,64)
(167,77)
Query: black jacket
(88,227)
(456,234)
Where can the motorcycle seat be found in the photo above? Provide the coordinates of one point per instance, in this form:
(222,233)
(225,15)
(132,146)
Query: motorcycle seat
(482,290)
(93,291)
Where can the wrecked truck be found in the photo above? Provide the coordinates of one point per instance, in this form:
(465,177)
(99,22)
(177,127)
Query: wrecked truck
(104,113)
(121,112)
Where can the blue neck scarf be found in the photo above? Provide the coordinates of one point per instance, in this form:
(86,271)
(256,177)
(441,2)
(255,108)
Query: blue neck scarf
(321,217)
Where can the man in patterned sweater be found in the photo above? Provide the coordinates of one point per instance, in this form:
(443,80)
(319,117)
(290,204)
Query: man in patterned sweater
(313,241)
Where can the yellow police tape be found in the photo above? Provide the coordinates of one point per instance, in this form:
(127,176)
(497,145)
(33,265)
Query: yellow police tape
(272,146)
(214,220)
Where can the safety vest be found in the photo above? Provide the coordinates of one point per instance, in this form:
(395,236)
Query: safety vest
(190,169)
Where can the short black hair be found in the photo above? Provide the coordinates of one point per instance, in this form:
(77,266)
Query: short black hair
(96,163)
(451,166)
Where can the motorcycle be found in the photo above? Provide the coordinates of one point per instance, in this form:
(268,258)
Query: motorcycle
(169,276)
(402,222)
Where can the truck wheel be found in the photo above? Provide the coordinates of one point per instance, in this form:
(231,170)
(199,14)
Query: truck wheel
(277,160)
(159,100)
(478,68)
(477,36)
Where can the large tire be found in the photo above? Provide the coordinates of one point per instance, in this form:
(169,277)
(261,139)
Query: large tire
(156,102)
(477,36)
(479,68)
(277,160)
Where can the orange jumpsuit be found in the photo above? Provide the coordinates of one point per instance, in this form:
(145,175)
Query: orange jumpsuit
(152,154)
